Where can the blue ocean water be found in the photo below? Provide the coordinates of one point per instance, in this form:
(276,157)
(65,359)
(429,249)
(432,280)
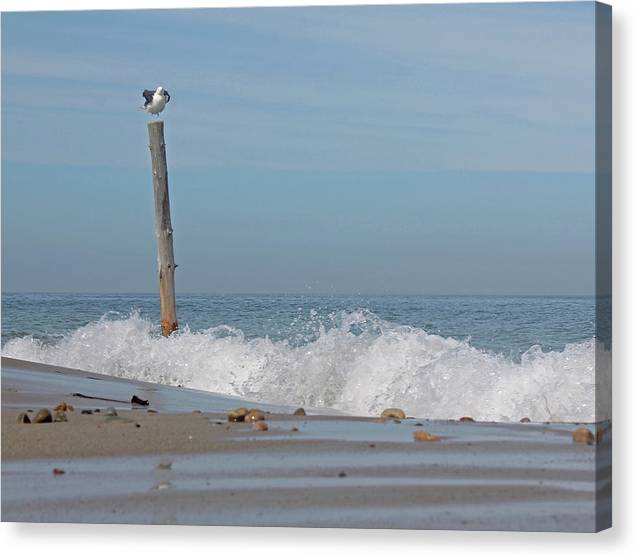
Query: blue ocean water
(497,358)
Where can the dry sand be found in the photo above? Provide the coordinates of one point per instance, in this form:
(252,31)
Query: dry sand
(176,466)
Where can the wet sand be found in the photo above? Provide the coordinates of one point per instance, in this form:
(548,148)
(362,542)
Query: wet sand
(179,467)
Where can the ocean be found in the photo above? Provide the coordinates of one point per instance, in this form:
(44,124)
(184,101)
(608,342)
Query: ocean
(441,357)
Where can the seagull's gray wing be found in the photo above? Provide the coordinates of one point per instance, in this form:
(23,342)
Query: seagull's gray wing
(148,95)
(167,95)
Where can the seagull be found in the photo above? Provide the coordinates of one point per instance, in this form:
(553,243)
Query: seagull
(155,100)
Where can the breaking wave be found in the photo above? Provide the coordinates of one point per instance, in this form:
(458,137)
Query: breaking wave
(360,366)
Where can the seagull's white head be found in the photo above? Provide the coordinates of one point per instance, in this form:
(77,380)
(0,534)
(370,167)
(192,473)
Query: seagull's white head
(160,90)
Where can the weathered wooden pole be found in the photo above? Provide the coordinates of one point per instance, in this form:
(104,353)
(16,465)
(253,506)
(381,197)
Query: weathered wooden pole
(163,228)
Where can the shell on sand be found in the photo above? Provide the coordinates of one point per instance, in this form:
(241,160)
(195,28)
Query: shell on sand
(260,425)
(300,412)
(422,436)
(393,413)
(238,415)
(64,407)
(44,415)
(583,436)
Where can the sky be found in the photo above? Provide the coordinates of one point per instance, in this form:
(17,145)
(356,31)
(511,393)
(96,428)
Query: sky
(435,149)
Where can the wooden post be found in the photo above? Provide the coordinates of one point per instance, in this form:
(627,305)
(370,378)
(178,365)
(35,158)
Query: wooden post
(163,228)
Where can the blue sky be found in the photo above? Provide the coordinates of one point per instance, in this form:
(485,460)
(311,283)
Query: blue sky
(411,149)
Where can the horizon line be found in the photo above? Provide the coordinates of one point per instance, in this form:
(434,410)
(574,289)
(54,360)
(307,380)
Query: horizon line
(304,293)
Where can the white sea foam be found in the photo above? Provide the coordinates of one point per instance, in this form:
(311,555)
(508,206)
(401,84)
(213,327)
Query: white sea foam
(361,366)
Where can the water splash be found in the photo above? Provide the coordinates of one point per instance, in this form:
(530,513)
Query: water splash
(360,365)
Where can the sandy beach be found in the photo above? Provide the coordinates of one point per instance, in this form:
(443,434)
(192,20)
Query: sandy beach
(179,461)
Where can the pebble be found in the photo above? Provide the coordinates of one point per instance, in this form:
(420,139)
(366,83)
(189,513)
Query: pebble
(422,436)
(238,415)
(164,465)
(342,474)
(23,418)
(60,416)
(86,412)
(393,413)
(525,419)
(64,407)
(138,401)
(254,415)
(466,419)
(260,425)
(57,471)
(110,412)
(294,429)
(583,436)
(300,412)
(44,415)
(599,436)
(152,411)
(197,412)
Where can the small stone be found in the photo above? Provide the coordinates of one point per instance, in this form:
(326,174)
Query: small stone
(294,429)
(583,436)
(98,410)
(64,407)
(525,419)
(197,412)
(152,411)
(23,418)
(44,415)
(86,412)
(165,465)
(110,412)
(419,424)
(137,425)
(393,413)
(466,419)
(254,415)
(260,425)
(372,445)
(342,474)
(238,415)
(422,436)
(300,412)
(138,401)
(162,486)
(58,472)
(60,416)
(599,435)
